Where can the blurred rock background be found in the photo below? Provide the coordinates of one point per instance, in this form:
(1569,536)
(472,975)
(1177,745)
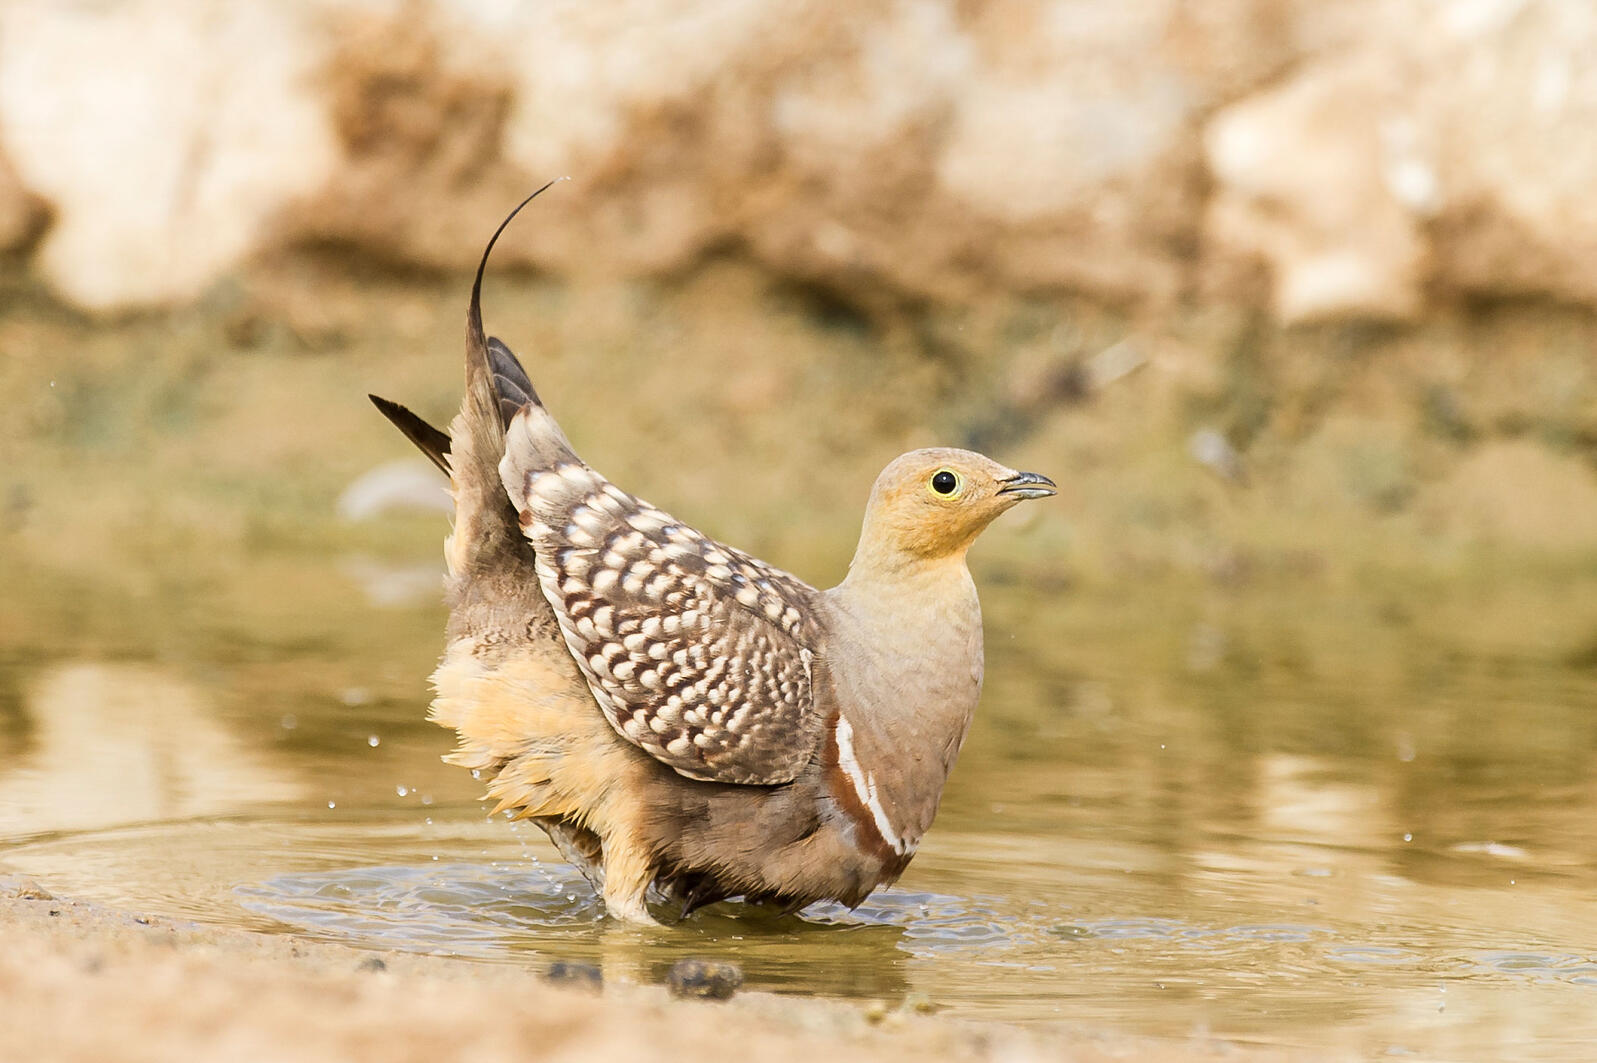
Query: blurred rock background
(1268,284)
(1369,158)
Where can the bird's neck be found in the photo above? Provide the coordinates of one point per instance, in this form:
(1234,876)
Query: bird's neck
(901,600)
(907,679)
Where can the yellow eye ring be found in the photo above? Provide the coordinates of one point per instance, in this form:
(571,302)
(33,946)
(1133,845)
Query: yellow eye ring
(945,483)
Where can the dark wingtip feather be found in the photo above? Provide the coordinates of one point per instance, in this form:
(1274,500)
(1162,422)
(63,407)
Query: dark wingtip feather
(429,440)
(514,388)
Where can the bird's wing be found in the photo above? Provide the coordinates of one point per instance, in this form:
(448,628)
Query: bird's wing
(698,653)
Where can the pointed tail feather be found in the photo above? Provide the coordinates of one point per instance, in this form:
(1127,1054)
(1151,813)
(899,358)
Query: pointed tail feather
(429,440)
(496,387)
(476,340)
(487,536)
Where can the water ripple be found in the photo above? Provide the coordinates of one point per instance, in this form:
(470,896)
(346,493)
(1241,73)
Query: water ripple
(1569,967)
(466,909)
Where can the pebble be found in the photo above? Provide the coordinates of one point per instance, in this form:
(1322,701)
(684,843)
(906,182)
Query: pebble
(576,975)
(704,979)
(26,889)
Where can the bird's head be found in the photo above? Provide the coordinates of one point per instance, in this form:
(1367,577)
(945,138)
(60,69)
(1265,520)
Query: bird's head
(931,504)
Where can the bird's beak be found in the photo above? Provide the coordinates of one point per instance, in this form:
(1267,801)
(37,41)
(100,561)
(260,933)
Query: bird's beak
(1027,485)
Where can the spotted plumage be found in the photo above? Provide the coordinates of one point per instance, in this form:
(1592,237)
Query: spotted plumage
(696,652)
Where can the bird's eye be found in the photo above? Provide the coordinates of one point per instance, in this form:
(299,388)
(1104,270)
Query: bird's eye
(945,482)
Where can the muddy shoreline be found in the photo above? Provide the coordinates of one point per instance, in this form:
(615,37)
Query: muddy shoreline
(80,981)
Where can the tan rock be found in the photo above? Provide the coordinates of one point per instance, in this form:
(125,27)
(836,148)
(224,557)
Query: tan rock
(916,149)
(933,151)
(1443,148)
(163,136)
(1316,178)
(1514,99)
(1042,146)
(1370,155)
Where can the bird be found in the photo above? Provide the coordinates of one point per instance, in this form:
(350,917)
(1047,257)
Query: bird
(687,723)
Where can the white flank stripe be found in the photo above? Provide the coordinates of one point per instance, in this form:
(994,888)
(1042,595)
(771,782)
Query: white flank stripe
(865,785)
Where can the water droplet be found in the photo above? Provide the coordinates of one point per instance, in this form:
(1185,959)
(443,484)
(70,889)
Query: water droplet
(426,799)
(476,774)
(401,791)
(288,722)
(429,821)
(332,804)
(373,741)
(1408,837)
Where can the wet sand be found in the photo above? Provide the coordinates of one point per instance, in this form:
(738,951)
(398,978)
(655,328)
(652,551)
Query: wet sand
(84,982)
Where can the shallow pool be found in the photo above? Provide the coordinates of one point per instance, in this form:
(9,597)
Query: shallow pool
(1181,812)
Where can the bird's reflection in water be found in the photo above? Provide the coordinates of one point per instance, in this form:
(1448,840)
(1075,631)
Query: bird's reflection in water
(533,914)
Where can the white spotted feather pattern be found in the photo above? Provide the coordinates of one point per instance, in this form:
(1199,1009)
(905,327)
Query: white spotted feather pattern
(696,652)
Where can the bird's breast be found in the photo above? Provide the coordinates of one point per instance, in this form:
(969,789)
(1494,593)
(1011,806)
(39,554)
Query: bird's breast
(903,690)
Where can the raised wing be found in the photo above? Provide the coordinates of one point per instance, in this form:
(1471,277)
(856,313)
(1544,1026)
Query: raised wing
(698,653)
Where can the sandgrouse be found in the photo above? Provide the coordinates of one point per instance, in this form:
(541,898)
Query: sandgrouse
(686,722)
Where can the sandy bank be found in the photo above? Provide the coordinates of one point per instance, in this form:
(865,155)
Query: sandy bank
(83,982)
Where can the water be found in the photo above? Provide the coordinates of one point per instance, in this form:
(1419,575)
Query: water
(1303,821)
